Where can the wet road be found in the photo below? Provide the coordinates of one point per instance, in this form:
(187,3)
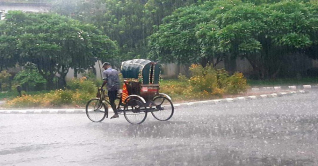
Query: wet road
(273,131)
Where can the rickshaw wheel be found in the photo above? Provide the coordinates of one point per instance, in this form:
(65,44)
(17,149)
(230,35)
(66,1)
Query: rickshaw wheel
(135,112)
(96,111)
(163,110)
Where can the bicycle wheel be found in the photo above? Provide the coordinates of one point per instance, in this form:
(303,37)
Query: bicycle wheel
(164,109)
(96,111)
(134,112)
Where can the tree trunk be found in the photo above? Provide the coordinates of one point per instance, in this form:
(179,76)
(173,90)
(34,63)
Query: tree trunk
(49,82)
(204,62)
(75,73)
(230,64)
(62,79)
(48,76)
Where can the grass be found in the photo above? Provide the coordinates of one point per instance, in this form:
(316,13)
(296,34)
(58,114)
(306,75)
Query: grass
(13,94)
(8,95)
(283,82)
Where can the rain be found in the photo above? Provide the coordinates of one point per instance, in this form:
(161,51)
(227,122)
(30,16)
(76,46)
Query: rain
(68,40)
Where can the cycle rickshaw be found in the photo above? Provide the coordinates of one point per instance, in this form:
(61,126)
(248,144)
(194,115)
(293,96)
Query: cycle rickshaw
(140,95)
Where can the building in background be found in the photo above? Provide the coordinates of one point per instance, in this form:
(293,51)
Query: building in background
(7,5)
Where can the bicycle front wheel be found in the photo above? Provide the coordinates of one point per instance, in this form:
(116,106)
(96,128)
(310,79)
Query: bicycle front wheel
(96,111)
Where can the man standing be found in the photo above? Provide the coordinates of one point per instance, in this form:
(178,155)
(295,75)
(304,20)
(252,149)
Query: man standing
(111,80)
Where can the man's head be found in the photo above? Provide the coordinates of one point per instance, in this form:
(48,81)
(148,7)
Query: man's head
(106,65)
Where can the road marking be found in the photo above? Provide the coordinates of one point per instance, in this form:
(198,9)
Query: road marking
(273,95)
(252,97)
(302,91)
(263,96)
(241,98)
(229,100)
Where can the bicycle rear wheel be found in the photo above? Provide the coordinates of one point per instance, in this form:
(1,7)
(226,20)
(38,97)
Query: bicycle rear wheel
(96,111)
(164,109)
(135,112)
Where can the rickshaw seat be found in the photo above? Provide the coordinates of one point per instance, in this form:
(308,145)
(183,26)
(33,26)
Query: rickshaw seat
(133,87)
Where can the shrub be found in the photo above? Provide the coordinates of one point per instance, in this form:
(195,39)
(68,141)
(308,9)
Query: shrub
(236,84)
(216,82)
(222,77)
(65,96)
(78,97)
(203,78)
(81,98)
(25,101)
(82,85)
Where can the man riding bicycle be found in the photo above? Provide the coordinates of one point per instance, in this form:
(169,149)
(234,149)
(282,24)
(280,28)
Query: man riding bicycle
(111,80)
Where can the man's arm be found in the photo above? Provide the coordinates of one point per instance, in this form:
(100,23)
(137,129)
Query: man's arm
(104,83)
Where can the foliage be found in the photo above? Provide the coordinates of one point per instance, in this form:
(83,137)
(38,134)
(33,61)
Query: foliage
(54,43)
(29,78)
(206,32)
(81,84)
(177,89)
(263,33)
(236,84)
(203,78)
(62,97)
(216,82)
(205,82)
(183,36)
(8,95)
(79,92)
(8,51)
(128,22)
(5,80)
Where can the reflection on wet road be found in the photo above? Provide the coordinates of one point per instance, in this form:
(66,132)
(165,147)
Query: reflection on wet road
(273,131)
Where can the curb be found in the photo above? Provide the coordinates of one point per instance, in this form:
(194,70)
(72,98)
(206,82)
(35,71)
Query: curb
(43,111)
(230,100)
(290,90)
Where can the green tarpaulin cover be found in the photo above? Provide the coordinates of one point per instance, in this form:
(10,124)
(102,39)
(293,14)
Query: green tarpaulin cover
(142,69)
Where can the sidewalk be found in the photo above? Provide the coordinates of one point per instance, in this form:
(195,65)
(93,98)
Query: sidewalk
(252,94)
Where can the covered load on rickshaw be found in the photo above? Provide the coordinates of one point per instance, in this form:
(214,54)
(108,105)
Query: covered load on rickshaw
(141,77)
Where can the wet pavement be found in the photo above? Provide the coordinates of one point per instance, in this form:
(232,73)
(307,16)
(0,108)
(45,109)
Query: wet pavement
(271,131)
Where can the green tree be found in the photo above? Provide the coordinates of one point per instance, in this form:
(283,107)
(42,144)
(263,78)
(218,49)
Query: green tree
(129,22)
(29,78)
(8,50)
(226,30)
(56,43)
(188,35)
